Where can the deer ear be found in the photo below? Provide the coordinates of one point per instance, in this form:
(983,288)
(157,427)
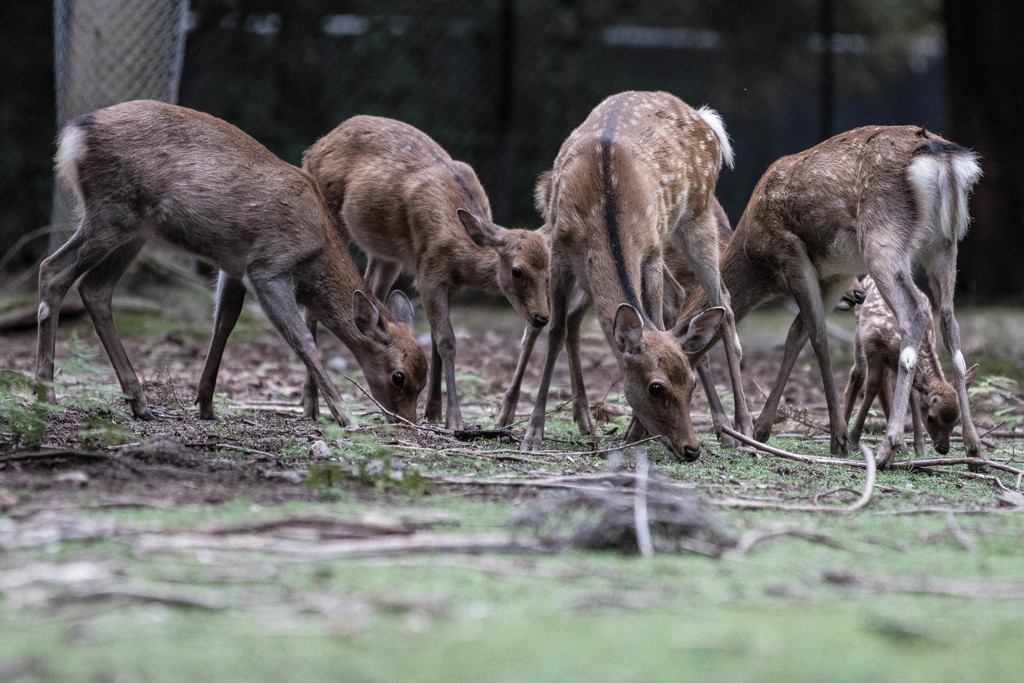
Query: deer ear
(697,333)
(483,233)
(400,307)
(629,331)
(970,375)
(366,315)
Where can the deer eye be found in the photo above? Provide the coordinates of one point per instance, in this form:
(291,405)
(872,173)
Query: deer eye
(656,389)
(517,272)
(398,379)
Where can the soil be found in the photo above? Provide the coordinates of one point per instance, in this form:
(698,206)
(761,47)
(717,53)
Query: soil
(180,459)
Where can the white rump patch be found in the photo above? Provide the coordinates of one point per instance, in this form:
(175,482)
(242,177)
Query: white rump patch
(908,359)
(70,148)
(959,363)
(44,313)
(941,185)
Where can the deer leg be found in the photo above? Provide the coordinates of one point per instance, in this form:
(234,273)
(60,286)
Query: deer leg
(580,404)
(507,413)
(795,340)
(85,249)
(230,297)
(808,295)
(853,386)
(561,284)
(702,250)
(310,395)
(915,416)
(718,416)
(380,276)
(875,385)
(96,289)
(892,276)
(942,275)
(276,294)
(437,304)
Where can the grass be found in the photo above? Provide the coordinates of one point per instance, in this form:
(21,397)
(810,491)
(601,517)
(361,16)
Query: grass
(774,613)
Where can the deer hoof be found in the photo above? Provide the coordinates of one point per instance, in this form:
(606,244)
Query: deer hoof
(532,440)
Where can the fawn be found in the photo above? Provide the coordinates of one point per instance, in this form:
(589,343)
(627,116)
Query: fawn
(876,352)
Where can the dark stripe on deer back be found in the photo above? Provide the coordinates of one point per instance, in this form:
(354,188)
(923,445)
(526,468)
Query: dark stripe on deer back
(611,205)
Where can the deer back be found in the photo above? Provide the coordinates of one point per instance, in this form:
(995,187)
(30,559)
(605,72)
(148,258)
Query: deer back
(400,196)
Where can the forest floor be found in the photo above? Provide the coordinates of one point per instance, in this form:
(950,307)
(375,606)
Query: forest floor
(173,548)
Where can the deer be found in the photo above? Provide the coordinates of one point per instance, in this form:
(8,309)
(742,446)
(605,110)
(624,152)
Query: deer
(641,166)
(401,198)
(146,170)
(933,401)
(871,200)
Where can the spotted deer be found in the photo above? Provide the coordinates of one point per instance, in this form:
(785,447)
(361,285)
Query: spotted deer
(876,352)
(871,200)
(641,166)
(399,196)
(148,170)
(679,279)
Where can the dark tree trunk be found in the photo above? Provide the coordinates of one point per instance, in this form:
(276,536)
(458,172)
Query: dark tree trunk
(986,78)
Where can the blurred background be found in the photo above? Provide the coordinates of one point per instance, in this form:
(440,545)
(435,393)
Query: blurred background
(501,83)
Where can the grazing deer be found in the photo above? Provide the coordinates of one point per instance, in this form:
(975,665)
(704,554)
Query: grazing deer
(679,279)
(876,353)
(871,200)
(146,169)
(399,196)
(642,166)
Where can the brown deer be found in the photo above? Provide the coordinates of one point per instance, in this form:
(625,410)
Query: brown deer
(871,200)
(933,401)
(641,166)
(399,196)
(679,279)
(146,169)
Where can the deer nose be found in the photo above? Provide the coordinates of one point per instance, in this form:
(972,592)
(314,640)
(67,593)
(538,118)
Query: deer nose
(859,296)
(690,454)
(942,449)
(540,320)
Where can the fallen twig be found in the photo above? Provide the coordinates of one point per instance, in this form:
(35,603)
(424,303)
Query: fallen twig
(903,584)
(66,453)
(640,518)
(399,418)
(959,535)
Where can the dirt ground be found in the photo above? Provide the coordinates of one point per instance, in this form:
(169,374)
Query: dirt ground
(259,422)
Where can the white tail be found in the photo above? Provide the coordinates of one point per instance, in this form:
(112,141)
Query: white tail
(148,169)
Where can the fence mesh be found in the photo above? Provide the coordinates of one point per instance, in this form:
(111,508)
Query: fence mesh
(110,51)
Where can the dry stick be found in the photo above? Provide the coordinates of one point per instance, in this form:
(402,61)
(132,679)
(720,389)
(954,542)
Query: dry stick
(869,483)
(251,451)
(640,518)
(959,535)
(599,451)
(399,418)
(482,455)
(66,453)
(903,465)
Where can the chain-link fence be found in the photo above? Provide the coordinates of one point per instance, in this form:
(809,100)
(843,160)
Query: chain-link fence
(110,51)
(501,83)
